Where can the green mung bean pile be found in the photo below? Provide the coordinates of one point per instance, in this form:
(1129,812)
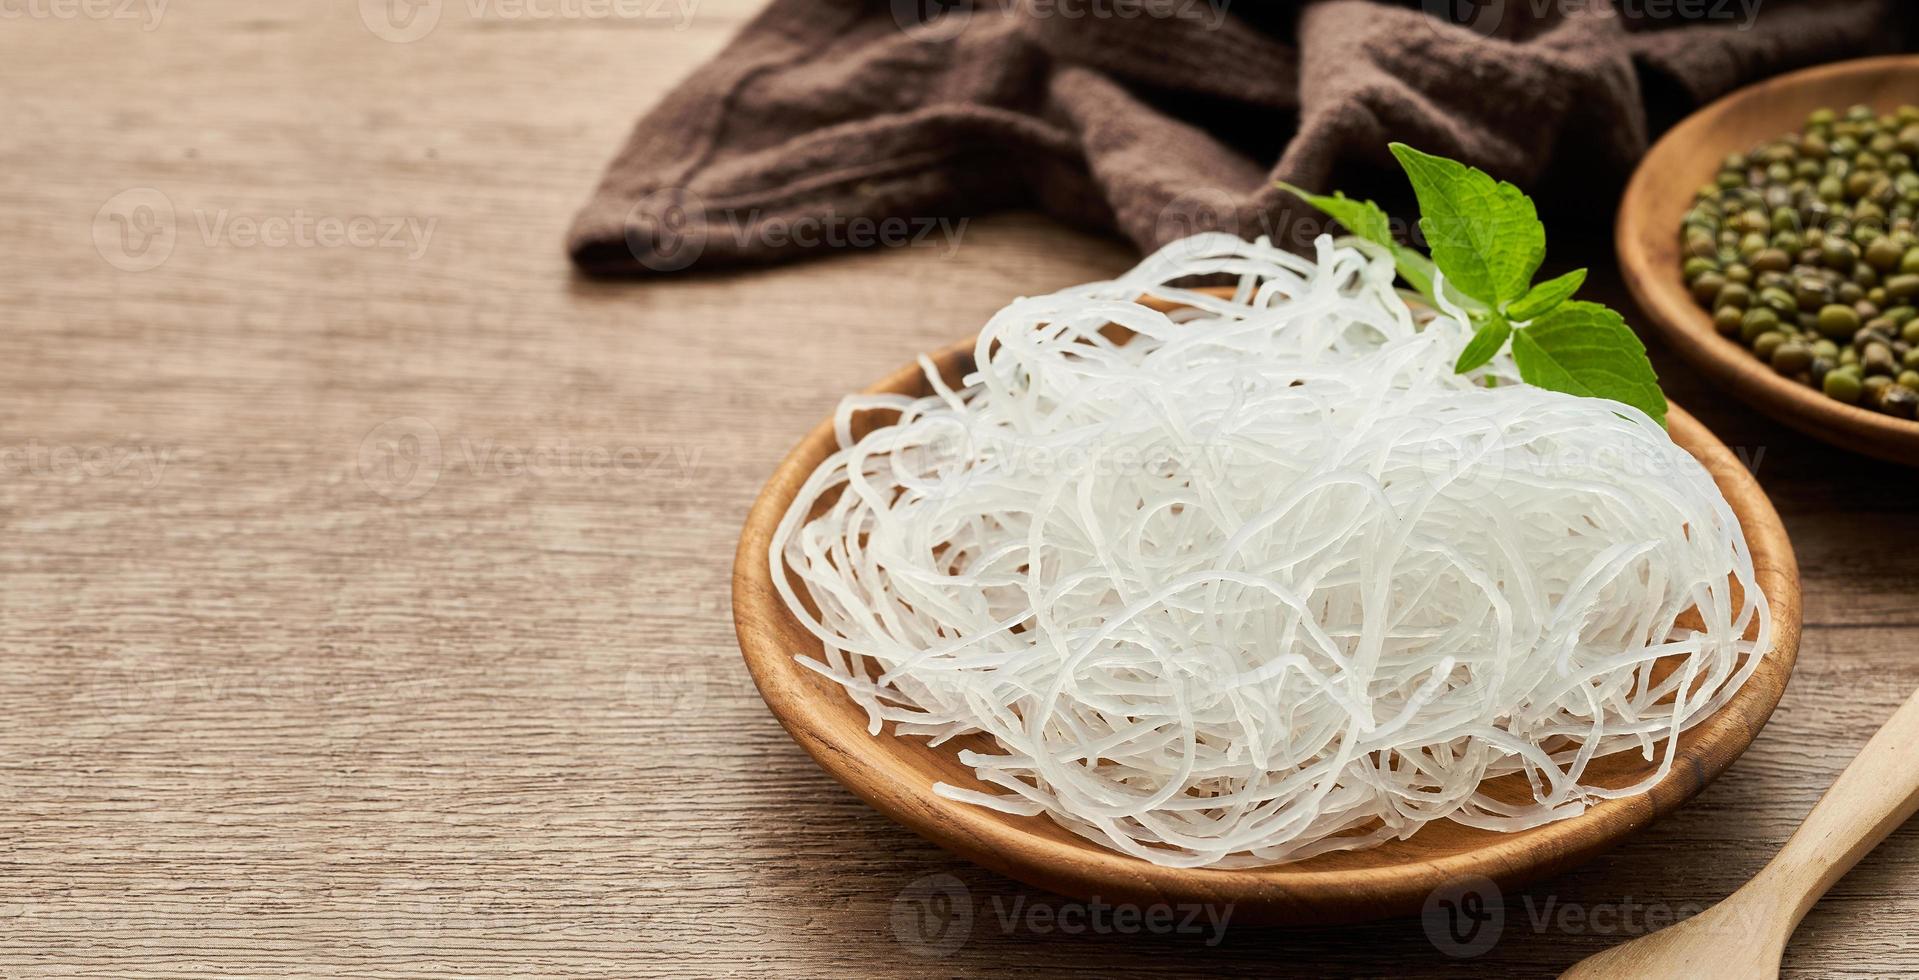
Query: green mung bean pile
(1804,250)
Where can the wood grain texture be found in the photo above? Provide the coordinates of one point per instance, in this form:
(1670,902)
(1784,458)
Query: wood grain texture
(260,719)
(897,775)
(1649,248)
(1876,793)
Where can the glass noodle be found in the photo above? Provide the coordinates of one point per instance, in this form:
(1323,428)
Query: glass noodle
(1267,579)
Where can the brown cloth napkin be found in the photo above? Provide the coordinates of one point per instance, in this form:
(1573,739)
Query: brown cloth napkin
(835,122)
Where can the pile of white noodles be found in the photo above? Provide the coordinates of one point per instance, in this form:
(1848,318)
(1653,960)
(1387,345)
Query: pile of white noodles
(1270,579)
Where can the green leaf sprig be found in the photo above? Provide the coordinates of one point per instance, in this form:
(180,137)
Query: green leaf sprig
(1488,242)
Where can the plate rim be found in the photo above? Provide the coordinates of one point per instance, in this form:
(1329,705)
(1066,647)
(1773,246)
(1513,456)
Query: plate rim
(1283,894)
(1646,244)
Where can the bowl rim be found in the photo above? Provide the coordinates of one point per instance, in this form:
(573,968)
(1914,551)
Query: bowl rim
(1289,893)
(1657,286)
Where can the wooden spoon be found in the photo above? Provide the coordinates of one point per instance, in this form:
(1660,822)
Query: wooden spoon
(1745,935)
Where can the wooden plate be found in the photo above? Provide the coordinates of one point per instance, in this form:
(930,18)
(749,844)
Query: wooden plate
(896,775)
(1647,236)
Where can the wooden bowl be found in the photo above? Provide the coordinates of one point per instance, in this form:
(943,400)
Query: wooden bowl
(896,775)
(1647,236)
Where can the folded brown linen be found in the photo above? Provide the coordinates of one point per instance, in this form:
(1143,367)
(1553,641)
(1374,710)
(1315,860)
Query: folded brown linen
(835,122)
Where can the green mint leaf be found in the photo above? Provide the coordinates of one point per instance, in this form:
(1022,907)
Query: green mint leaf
(1587,349)
(1363,218)
(1485,345)
(1368,221)
(1485,234)
(1545,296)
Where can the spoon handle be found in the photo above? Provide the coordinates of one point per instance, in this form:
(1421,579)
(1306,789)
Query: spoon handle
(1872,797)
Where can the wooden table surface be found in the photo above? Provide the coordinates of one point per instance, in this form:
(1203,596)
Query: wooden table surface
(365,606)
